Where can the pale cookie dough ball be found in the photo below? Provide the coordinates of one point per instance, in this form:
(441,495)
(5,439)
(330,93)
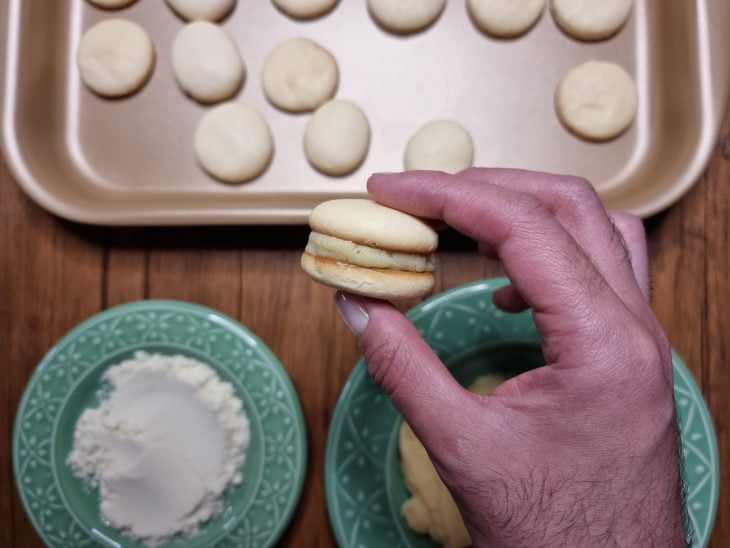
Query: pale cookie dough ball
(405,16)
(115,57)
(206,10)
(505,18)
(441,146)
(591,19)
(596,100)
(337,138)
(299,75)
(305,9)
(233,143)
(206,62)
(111,4)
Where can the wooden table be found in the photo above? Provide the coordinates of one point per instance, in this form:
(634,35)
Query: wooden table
(54,274)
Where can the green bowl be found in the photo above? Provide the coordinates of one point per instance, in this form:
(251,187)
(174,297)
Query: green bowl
(363,481)
(65,510)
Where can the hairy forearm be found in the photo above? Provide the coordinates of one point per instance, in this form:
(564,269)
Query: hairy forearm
(588,504)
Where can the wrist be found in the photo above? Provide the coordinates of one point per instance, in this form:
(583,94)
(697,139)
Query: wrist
(590,506)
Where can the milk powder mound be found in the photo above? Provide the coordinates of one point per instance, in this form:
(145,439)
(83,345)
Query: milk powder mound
(163,447)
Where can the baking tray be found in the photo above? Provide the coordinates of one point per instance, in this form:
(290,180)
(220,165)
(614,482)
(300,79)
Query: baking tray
(130,161)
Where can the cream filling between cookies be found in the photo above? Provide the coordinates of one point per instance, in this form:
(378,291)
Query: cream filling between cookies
(370,257)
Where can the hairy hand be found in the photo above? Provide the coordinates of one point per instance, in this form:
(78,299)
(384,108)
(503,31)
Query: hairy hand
(580,452)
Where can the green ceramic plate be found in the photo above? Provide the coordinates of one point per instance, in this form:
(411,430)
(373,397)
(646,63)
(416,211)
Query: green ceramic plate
(65,512)
(363,481)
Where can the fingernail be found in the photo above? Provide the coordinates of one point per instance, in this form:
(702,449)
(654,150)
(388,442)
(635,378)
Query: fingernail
(352,312)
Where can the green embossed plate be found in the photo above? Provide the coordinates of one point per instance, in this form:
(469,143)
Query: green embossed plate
(65,511)
(363,482)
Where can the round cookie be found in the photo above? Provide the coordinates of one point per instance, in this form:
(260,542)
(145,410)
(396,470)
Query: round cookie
(505,18)
(591,19)
(366,248)
(405,16)
(111,4)
(115,57)
(440,146)
(233,143)
(206,62)
(305,9)
(299,75)
(205,10)
(596,100)
(337,137)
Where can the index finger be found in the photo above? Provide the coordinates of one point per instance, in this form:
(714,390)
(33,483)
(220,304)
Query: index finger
(548,268)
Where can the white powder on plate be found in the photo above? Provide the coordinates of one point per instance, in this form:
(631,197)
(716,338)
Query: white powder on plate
(163,447)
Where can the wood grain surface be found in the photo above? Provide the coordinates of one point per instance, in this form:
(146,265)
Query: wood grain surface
(54,274)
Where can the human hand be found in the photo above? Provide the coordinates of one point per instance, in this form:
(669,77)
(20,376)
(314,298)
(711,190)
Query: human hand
(583,451)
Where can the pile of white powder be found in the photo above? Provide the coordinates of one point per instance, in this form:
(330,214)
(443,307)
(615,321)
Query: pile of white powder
(163,447)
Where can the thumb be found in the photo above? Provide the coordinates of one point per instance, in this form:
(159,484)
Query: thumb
(405,367)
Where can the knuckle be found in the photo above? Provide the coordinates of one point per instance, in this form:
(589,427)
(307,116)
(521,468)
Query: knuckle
(577,192)
(522,217)
(387,362)
(530,207)
(651,352)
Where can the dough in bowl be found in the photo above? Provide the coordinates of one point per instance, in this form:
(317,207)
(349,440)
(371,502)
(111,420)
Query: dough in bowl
(206,62)
(111,4)
(115,57)
(405,16)
(591,19)
(337,137)
(431,508)
(440,146)
(233,143)
(300,75)
(505,18)
(305,9)
(207,10)
(596,100)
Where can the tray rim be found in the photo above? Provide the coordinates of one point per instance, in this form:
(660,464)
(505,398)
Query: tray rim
(713,88)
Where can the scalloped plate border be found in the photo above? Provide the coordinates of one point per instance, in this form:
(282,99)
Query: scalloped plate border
(104,326)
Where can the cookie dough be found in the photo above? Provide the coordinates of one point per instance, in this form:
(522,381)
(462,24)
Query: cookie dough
(591,19)
(337,137)
(440,146)
(305,9)
(206,62)
(299,75)
(505,18)
(596,100)
(115,57)
(431,510)
(233,143)
(206,10)
(405,16)
(111,4)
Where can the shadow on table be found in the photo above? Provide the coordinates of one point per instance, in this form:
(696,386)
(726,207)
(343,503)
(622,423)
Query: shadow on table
(221,237)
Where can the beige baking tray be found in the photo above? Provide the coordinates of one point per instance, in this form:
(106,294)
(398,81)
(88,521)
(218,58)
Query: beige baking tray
(130,161)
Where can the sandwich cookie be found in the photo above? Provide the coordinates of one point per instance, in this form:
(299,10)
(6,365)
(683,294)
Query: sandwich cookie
(369,249)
